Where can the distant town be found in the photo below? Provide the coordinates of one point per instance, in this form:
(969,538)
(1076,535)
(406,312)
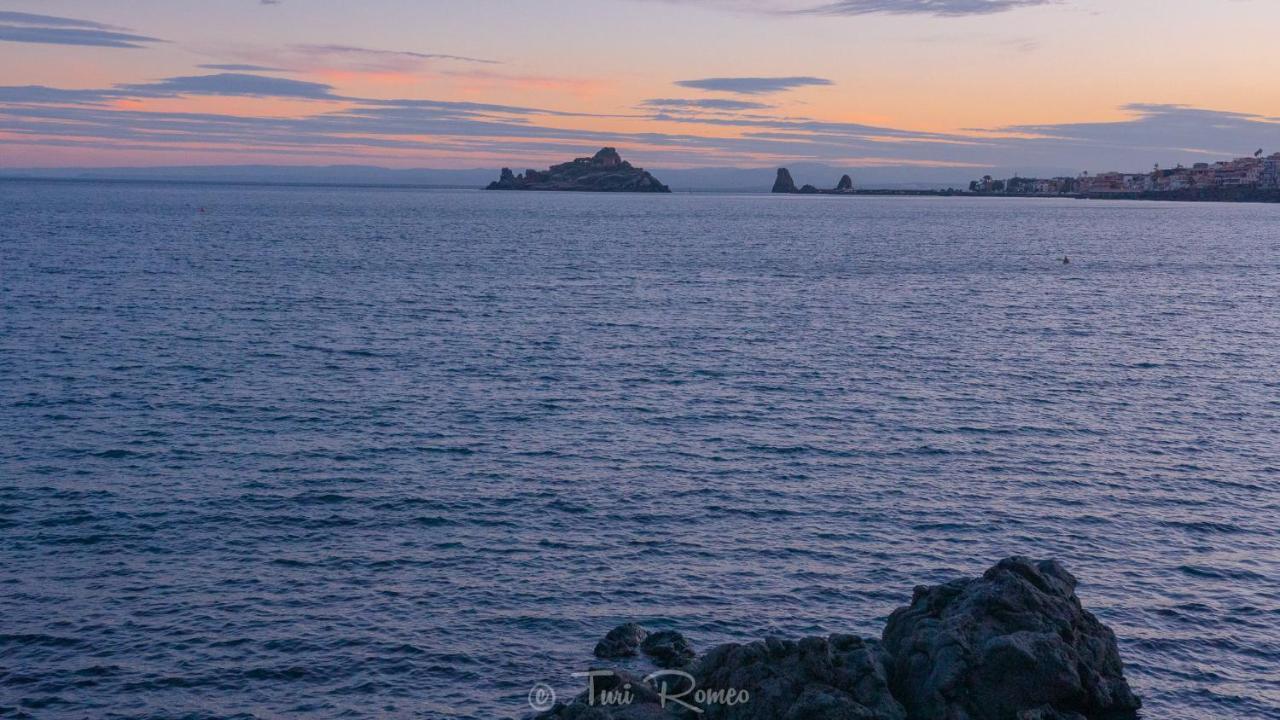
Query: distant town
(1246,178)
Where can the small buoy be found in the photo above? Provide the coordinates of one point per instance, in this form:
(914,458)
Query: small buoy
(1066,260)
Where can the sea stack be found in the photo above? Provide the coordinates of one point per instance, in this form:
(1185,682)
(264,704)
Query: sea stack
(784,183)
(787,185)
(605,171)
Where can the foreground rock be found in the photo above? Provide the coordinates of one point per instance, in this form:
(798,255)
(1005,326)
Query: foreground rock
(622,641)
(605,171)
(814,679)
(785,184)
(1015,643)
(668,649)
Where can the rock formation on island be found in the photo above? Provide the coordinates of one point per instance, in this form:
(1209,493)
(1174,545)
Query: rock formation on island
(784,184)
(605,171)
(1014,644)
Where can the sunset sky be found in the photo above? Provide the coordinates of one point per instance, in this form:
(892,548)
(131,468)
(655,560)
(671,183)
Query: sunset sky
(1071,84)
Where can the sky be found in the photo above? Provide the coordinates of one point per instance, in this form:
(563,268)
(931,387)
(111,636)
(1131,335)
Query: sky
(1063,85)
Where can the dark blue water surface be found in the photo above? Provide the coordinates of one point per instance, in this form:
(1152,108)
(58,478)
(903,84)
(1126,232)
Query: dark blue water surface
(400,453)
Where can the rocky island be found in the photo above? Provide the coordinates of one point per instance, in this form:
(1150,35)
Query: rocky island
(1014,644)
(784,184)
(605,171)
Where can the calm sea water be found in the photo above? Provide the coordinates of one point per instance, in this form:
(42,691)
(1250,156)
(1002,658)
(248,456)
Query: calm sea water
(399,453)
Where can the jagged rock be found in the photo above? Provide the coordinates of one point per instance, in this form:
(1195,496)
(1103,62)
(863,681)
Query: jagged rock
(784,183)
(607,157)
(838,678)
(617,696)
(809,190)
(622,641)
(668,649)
(605,171)
(1015,644)
(845,185)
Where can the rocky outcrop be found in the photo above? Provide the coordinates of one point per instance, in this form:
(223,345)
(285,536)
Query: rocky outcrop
(1015,643)
(665,648)
(605,171)
(668,649)
(837,677)
(784,184)
(622,641)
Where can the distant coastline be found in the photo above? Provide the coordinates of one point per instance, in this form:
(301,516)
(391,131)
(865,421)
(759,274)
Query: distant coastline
(1221,195)
(1253,179)
(1224,196)
(1244,179)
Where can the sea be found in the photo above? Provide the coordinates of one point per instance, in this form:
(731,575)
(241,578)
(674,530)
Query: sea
(328,452)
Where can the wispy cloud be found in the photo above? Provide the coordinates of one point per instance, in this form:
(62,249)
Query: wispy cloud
(241,67)
(752,85)
(1168,129)
(232,84)
(355,128)
(40,94)
(331,61)
(941,8)
(236,84)
(373,58)
(722,133)
(21,18)
(702,104)
(937,8)
(52,30)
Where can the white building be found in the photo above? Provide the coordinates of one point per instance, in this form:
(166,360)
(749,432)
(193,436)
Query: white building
(1270,177)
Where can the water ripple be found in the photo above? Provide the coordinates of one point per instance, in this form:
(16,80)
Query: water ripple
(362,453)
